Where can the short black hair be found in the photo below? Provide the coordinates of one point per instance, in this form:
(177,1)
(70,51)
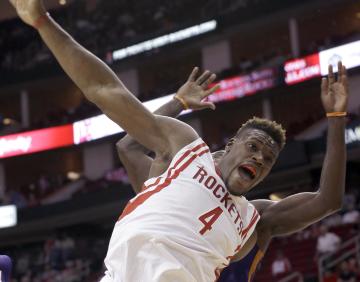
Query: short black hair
(272,128)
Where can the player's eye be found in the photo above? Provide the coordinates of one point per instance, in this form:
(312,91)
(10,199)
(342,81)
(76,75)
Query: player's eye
(252,147)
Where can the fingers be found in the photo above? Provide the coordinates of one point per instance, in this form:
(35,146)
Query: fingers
(324,86)
(211,90)
(340,71)
(344,79)
(331,76)
(193,74)
(206,75)
(208,81)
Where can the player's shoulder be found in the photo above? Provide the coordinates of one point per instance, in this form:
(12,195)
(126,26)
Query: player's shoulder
(193,155)
(261,204)
(196,148)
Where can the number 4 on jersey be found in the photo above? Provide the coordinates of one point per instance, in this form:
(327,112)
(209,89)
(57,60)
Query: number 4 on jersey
(209,218)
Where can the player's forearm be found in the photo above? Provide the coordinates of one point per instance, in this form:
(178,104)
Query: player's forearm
(171,109)
(332,182)
(87,71)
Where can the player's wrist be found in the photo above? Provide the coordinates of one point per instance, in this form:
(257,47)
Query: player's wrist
(182,101)
(336,114)
(41,20)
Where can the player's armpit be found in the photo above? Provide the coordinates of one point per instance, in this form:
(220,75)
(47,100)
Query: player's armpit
(293,213)
(136,162)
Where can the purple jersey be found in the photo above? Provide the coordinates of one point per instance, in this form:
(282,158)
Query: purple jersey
(5,268)
(244,269)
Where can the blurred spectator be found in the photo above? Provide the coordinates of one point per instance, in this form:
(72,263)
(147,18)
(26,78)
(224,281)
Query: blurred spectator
(281,265)
(117,175)
(351,216)
(354,266)
(332,220)
(44,185)
(22,264)
(327,242)
(345,274)
(67,248)
(349,201)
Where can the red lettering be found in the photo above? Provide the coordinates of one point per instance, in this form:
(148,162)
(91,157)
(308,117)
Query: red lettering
(225,199)
(238,217)
(217,189)
(209,218)
(201,173)
(231,209)
(210,182)
(241,228)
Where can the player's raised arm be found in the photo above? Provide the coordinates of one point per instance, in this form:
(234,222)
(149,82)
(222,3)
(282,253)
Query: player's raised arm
(134,156)
(298,211)
(102,87)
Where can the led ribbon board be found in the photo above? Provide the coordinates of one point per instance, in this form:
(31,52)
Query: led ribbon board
(36,141)
(163,40)
(316,65)
(244,85)
(302,69)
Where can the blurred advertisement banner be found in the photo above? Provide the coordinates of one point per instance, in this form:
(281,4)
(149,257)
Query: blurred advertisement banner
(101,126)
(302,69)
(35,141)
(349,54)
(316,65)
(244,85)
(352,133)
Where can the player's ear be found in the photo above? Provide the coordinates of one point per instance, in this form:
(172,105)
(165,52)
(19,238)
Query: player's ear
(218,154)
(229,145)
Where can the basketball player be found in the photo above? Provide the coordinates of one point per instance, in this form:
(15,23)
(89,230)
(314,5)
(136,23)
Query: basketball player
(140,167)
(191,220)
(5,268)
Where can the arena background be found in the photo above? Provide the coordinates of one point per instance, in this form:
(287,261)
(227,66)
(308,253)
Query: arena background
(62,186)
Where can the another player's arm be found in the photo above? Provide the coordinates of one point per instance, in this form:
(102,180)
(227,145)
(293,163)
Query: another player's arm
(134,156)
(298,211)
(102,87)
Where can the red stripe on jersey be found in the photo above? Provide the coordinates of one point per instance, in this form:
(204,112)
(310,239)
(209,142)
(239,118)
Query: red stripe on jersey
(131,206)
(196,148)
(154,184)
(203,152)
(254,218)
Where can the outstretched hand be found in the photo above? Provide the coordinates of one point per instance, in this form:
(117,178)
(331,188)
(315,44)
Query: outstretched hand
(194,91)
(335,92)
(29,11)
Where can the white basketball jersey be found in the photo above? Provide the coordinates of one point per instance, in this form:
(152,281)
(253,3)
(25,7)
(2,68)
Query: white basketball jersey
(184,226)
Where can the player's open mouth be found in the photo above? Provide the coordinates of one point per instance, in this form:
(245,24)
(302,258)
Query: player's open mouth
(247,171)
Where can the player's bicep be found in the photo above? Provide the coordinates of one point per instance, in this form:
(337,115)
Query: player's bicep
(148,129)
(125,110)
(293,213)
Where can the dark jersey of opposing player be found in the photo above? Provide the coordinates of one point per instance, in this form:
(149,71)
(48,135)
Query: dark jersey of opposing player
(5,268)
(244,269)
